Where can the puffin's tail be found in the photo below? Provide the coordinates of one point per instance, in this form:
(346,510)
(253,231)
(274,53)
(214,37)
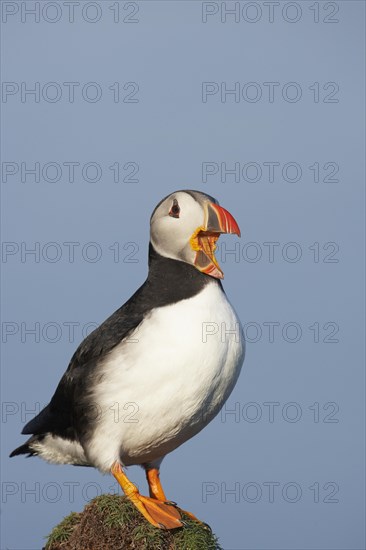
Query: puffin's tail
(26,448)
(38,426)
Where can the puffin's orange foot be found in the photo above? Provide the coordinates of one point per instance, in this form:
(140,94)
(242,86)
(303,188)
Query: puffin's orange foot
(157,492)
(159,514)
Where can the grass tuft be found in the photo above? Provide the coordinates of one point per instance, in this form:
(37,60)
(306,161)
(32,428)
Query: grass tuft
(112,522)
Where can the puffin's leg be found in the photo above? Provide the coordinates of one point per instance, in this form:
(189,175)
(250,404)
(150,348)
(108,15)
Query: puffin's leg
(157,513)
(156,490)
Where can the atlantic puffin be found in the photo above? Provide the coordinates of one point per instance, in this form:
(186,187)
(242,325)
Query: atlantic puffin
(153,355)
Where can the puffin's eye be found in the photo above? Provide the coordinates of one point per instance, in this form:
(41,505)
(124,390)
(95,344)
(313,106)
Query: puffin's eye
(175,210)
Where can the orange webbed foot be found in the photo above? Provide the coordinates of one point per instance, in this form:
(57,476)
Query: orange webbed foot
(156,512)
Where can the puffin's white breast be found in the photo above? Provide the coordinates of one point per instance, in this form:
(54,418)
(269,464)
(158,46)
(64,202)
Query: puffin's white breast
(167,381)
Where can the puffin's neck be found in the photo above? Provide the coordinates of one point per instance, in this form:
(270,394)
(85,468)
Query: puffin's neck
(175,277)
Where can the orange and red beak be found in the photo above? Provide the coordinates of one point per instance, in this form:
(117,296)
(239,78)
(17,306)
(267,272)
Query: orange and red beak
(203,241)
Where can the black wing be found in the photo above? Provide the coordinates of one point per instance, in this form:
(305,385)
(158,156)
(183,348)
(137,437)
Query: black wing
(67,410)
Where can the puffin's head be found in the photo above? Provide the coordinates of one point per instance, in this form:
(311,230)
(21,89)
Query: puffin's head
(186,225)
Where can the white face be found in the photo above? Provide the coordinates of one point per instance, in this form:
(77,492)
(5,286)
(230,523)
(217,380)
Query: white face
(174,222)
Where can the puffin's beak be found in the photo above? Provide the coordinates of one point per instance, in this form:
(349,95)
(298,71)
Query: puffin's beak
(203,241)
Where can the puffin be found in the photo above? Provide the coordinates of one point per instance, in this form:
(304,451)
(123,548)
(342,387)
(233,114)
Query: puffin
(156,371)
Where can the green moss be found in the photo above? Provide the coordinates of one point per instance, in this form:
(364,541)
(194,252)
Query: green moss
(63,530)
(116,511)
(112,522)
